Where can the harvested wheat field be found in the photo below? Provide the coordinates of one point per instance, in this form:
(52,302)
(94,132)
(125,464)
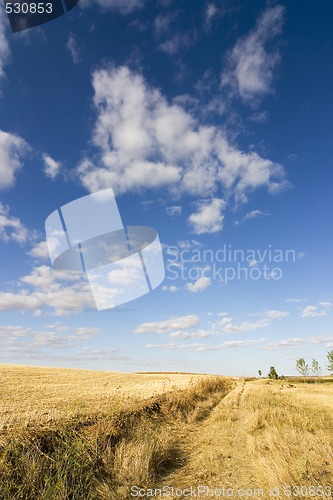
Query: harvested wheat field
(34,395)
(75,434)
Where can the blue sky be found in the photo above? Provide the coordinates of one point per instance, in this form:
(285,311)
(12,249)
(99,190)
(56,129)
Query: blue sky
(212,122)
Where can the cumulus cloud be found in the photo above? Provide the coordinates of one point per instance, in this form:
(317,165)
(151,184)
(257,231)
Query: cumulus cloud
(142,141)
(208,218)
(251,62)
(39,250)
(11,228)
(51,167)
(61,293)
(199,285)
(12,148)
(175,323)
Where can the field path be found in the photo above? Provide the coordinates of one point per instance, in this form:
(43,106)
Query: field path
(217,448)
(263,435)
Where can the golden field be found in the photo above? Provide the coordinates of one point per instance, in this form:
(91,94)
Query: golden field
(34,395)
(76,434)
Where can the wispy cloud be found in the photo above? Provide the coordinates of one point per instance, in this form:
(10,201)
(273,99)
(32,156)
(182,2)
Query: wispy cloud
(17,338)
(229,327)
(174,210)
(285,344)
(275,314)
(122,6)
(253,214)
(11,228)
(4,45)
(12,150)
(51,167)
(314,311)
(73,48)
(251,64)
(204,347)
(191,335)
(171,288)
(175,323)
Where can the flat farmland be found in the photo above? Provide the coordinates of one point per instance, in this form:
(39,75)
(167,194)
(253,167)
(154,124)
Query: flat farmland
(76,434)
(39,396)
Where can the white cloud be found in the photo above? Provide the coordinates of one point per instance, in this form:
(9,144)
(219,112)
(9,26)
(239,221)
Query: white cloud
(253,214)
(175,323)
(51,167)
(121,6)
(174,210)
(86,332)
(63,293)
(96,354)
(142,141)
(179,41)
(325,304)
(162,24)
(284,344)
(328,341)
(40,250)
(12,148)
(199,285)
(73,48)
(275,314)
(313,312)
(210,13)
(11,228)
(208,218)
(22,340)
(187,335)
(246,326)
(171,288)
(203,347)
(251,64)
(4,46)
(296,300)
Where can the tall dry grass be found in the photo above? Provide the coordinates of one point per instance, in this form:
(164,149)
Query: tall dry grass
(290,436)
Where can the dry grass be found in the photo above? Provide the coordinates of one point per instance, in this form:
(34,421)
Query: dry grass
(98,453)
(93,435)
(291,434)
(34,395)
(262,436)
